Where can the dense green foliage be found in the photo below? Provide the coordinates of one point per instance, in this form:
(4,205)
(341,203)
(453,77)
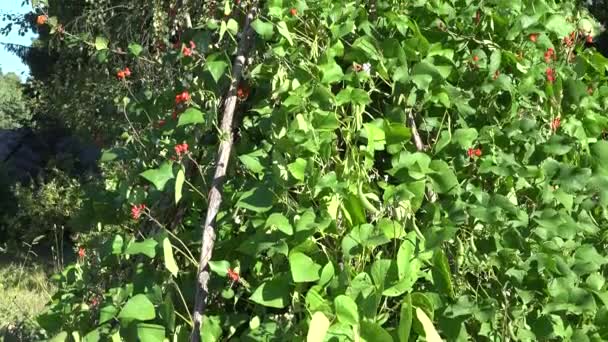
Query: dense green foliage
(335,225)
(14,110)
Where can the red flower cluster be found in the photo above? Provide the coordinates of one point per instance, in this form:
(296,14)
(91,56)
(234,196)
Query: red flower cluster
(533,37)
(570,40)
(160,123)
(181,149)
(233,275)
(183,97)
(556,123)
(293,12)
(81,252)
(475,58)
(550,75)
(550,54)
(187,51)
(589,39)
(124,73)
(137,210)
(474,152)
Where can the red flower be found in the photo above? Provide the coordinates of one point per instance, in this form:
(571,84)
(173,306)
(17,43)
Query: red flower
(549,54)
(122,74)
(187,51)
(293,12)
(192,45)
(475,58)
(136,210)
(41,20)
(550,75)
(555,124)
(568,41)
(533,37)
(242,92)
(181,149)
(474,152)
(233,275)
(183,97)
(590,39)
(94,301)
(160,123)
(81,252)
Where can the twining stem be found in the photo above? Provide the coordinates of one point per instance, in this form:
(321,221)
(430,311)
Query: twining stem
(411,121)
(215,194)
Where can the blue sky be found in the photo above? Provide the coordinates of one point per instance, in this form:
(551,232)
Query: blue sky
(8,61)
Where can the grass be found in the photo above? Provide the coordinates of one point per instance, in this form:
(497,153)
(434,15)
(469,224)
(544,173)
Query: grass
(24,291)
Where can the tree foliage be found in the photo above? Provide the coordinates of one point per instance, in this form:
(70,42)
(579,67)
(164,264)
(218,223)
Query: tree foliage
(443,158)
(14,109)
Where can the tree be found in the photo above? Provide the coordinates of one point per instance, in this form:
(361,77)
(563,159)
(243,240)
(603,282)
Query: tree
(14,110)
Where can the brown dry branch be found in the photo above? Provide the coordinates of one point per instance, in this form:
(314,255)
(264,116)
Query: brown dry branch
(215,194)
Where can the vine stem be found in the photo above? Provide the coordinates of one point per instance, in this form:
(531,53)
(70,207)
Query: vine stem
(411,121)
(215,193)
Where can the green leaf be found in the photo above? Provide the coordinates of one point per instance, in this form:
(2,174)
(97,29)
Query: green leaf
(159,176)
(558,24)
(327,273)
(264,29)
(232,26)
(298,169)
(150,332)
(258,200)
(219,267)
(170,263)
(101,43)
(405,255)
(212,331)
(139,307)
(252,163)
(318,327)
(117,244)
(135,49)
(405,319)
(465,137)
(280,222)
(179,183)
(346,310)
(372,332)
(495,59)
(303,268)
(107,313)
(91,336)
(216,69)
(273,293)
(441,274)
(331,71)
(284,31)
(429,329)
(190,116)
(443,178)
(61,337)
(146,247)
